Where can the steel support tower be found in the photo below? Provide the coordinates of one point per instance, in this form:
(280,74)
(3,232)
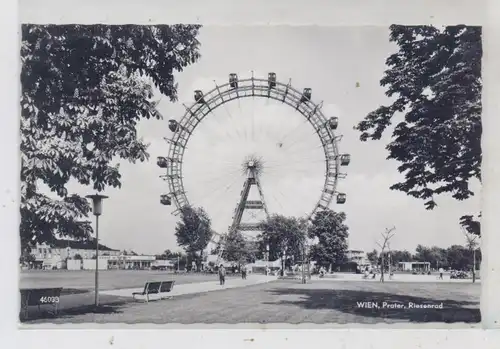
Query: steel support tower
(252,168)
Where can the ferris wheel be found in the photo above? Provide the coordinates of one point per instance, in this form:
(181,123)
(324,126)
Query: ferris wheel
(299,102)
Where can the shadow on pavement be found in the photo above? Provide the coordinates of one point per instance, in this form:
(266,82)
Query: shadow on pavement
(113,308)
(76,303)
(346,301)
(68,291)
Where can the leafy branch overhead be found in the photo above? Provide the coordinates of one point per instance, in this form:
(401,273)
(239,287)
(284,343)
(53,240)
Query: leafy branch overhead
(435,82)
(84,89)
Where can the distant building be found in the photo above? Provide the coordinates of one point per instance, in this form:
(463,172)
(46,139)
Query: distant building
(357,256)
(81,255)
(415,266)
(53,256)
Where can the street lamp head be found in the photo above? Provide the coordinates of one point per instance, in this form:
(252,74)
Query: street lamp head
(97,203)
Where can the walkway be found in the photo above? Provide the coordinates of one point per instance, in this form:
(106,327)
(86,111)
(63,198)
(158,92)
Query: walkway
(199,287)
(396,278)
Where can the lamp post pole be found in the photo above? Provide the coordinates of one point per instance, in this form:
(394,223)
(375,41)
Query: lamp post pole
(97,210)
(267,259)
(96,261)
(304,264)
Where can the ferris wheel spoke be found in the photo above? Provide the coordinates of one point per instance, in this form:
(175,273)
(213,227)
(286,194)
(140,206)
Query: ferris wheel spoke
(308,150)
(283,196)
(277,201)
(307,137)
(225,124)
(253,119)
(213,181)
(221,189)
(293,130)
(218,178)
(300,161)
(216,198)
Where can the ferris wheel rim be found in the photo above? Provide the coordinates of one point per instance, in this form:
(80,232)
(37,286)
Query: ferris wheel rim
(260,88)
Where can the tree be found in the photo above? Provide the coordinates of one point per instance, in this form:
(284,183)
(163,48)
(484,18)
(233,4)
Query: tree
(83,90)
(238,249)
(167,254)
(386,236)
(78,256)
(436,256)
(373,257)
(331,233)
(194,231)
(27,258)
(459,257)
(423,254)
(435,81)
(400,256)
(284,235)
(472,245)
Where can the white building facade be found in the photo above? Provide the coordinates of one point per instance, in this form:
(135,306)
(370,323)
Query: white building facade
(357,256)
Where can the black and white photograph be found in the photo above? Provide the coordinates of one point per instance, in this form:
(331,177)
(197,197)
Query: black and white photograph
(269,174)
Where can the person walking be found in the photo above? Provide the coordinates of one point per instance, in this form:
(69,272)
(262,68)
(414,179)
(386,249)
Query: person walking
(441,271)
(222,275)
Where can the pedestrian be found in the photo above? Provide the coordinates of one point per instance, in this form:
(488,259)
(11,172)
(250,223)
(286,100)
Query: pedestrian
(441,271)
(243,273)
(222,275)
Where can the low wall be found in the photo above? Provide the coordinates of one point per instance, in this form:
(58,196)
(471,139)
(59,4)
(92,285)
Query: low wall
(74,264)
(89,264)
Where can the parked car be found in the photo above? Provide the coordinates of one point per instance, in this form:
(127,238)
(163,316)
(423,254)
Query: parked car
(459,274)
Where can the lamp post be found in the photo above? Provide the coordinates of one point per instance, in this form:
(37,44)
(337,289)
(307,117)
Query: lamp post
(97,211)
(267,259)
(304,263)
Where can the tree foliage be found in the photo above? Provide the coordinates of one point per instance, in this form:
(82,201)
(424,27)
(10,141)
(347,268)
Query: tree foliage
(434,80)
(454,257)
(396,257)
(27,258)
(331,233)
(282,234)
(471,224)
(194,230)
(238,249)
(435,255)
(83,91)
(373,257)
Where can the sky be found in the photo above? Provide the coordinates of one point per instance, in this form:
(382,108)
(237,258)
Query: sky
(343,66)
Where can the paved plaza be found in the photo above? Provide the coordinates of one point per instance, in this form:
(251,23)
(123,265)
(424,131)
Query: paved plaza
(108,279)
(267,300)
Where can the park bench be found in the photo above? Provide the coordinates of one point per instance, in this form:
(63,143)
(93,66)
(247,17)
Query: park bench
(155,287)
(39,297)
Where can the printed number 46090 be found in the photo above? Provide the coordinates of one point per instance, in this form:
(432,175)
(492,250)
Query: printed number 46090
(49,299)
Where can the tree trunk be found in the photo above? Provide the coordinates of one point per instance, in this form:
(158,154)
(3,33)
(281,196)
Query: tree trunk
(382,270)
(474,266)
